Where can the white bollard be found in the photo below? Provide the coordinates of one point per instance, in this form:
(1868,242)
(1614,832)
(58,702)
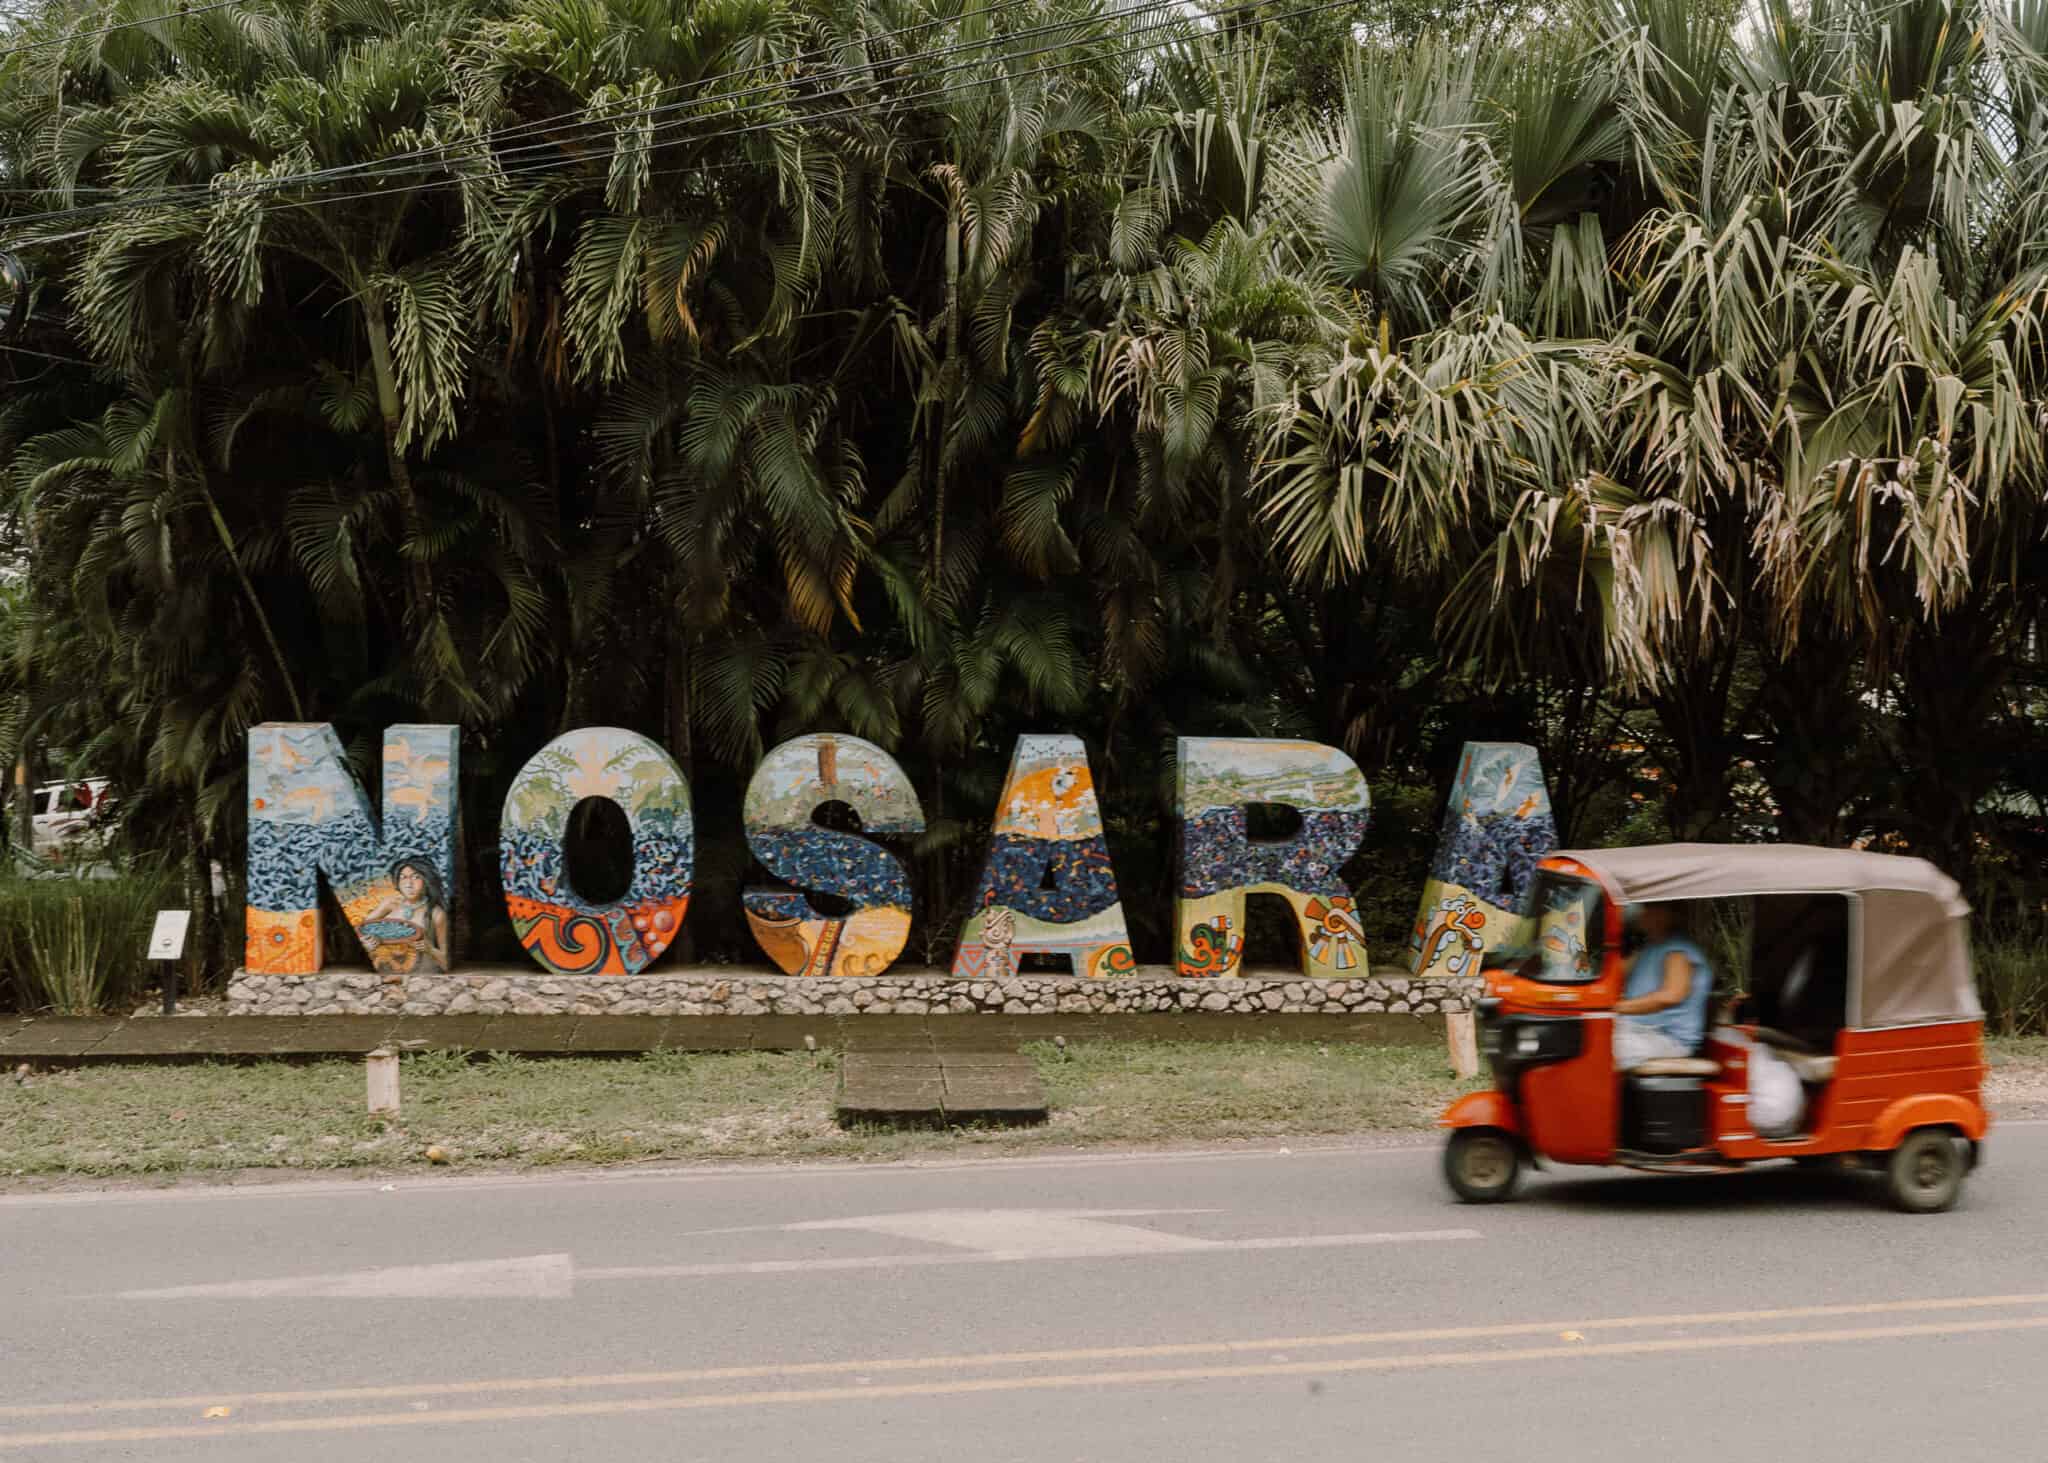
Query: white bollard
(382,1069)
(1464,1036)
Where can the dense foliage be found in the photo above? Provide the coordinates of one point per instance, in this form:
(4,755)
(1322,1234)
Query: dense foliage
(1660,383)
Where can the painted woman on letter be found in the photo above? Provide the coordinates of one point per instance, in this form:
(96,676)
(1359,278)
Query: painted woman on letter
(409,931)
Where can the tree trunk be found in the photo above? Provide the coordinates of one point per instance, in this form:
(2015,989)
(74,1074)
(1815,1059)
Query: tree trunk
(424,609)
(227,543)
(949,388)
(677,714)
(1693,714)
(1579,760)
(207,943)
(25,800)
(1950,753)
(1818,772)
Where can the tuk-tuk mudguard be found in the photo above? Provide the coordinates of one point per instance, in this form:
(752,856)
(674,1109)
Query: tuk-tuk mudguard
(1928,1110)
(1483,1110)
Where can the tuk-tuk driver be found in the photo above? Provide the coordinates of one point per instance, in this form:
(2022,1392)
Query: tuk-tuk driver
(1663,1009)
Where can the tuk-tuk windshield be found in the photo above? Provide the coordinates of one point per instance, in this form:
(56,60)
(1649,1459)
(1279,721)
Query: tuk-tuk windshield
(1559,939)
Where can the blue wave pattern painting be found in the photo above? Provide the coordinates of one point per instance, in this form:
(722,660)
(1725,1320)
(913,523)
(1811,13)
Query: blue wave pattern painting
(562,930)
(308,818)
(1219,865)
(1084,880)
(784,795)
(1497,827)
(831,862)
(1048,829)
(1217,853)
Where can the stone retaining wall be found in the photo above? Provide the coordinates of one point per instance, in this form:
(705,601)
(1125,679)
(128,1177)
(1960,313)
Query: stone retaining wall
(741,993)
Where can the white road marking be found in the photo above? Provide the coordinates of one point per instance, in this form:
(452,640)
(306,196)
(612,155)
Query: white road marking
(977,1237)
(532,1277)
(1019,1233)
(992,1257)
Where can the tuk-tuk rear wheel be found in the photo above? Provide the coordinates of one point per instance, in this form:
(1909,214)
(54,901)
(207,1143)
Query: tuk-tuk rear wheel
(1482,1165)
(1925,1174)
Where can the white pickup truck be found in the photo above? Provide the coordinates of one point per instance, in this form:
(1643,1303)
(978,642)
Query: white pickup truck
(63,814)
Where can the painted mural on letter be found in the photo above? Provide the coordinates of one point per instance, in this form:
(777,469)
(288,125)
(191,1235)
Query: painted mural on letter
(1048,887)
(1220,865)
(1497,828)
(565,932)
(308,818)
(786,791)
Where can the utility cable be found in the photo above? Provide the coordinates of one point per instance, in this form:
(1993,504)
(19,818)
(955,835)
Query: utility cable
(581,118)
(106,30)
(381,167)
(883,107)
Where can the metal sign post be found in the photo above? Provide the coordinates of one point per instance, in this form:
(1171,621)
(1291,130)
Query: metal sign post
(167,943)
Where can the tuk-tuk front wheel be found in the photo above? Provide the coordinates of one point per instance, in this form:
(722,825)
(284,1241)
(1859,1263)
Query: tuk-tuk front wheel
(1482,1165)
(1926,1171)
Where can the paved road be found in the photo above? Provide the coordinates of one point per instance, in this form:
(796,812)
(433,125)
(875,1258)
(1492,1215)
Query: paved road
(1241,1307)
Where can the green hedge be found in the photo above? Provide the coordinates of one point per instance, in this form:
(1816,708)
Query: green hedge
(76,946)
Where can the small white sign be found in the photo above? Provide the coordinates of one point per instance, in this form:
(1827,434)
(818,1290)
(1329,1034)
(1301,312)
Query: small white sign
(167,940)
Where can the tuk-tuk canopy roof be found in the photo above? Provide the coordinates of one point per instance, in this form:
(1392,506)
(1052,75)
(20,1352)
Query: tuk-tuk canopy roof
(1914,947)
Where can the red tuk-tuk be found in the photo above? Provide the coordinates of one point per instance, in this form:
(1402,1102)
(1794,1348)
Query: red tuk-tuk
(1858,977)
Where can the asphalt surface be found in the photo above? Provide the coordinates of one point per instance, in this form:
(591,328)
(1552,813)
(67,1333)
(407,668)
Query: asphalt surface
(1246,1306)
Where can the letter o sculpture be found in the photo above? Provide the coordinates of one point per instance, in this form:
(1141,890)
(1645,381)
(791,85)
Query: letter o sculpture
(562,930)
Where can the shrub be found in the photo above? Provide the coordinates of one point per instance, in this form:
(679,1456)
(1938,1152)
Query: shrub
(77,945)
(2012,977)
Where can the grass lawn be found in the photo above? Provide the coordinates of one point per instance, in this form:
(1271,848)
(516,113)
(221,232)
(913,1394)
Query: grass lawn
(165,1119)
(142,1120)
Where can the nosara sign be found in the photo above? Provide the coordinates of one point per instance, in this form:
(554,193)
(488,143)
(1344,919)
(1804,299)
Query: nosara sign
(1048,886)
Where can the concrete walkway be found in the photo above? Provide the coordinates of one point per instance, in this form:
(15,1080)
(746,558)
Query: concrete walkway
(63,1040)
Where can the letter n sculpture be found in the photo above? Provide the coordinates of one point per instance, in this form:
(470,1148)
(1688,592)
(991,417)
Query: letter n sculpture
(1497,827)
(1220,865)
(308,818)
(565,932)
(1048,888)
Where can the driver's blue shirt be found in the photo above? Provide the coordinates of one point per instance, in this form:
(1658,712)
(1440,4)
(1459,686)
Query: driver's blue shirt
(1686,1022)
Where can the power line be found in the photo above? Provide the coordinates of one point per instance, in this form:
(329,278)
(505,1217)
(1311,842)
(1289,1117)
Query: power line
(938,93)
(106,30)
(299,180)
(931,94)
(22,350)
(594,129)
(576,119)
(579,118)
(384,171)
(942,71)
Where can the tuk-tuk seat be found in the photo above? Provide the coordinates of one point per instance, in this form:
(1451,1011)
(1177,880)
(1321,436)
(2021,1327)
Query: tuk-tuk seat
(1811,1069)
(1812,1066)
(1784,1045)
(1677,1067)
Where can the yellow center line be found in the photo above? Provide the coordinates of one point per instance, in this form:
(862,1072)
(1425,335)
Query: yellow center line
(627,1406)
(1066,1355)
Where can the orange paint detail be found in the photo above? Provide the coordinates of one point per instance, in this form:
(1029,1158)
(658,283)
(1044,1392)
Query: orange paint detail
(281,943)
(577,942)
